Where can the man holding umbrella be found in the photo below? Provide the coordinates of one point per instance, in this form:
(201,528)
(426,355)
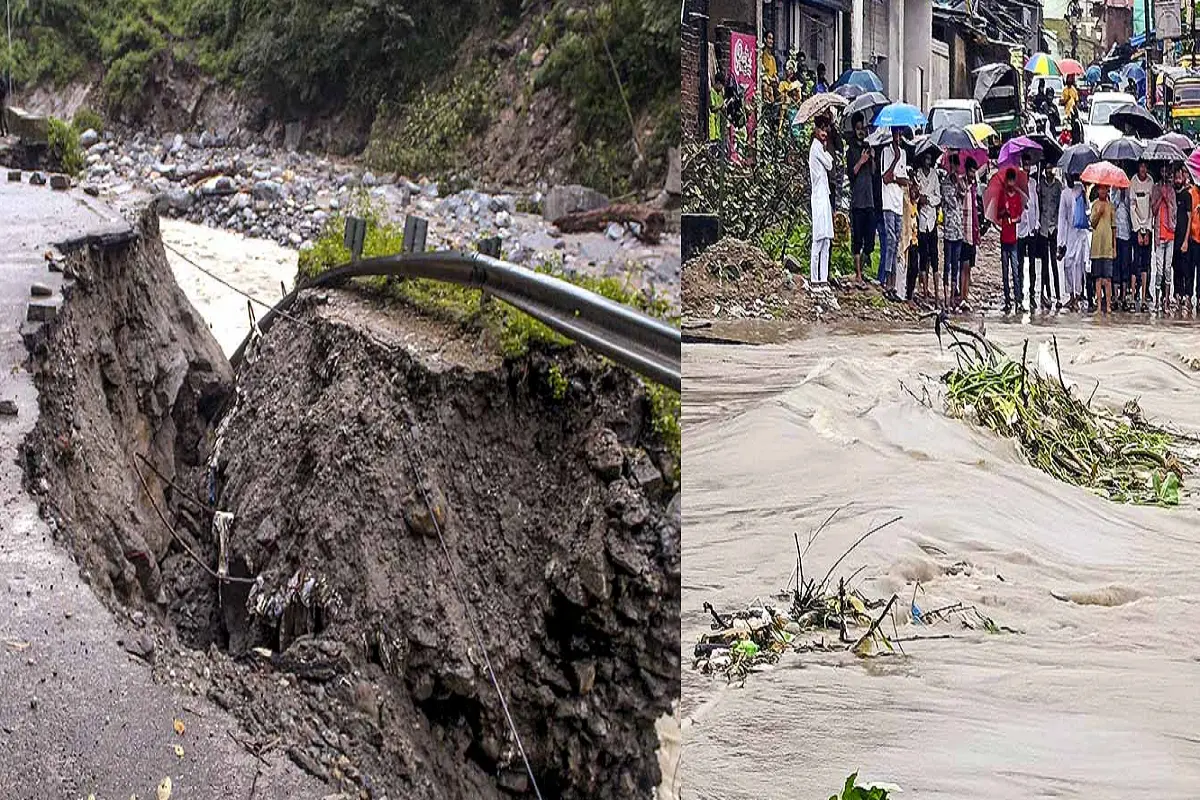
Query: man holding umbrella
(893,164)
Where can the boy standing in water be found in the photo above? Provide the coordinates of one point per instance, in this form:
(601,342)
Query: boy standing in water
(1009,213)
(1104,248)
(1140,188)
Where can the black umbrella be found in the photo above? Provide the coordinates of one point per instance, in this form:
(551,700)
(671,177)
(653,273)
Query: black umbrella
(1076,158)
(1051,150)
(1160,150)
(953,138)
(1133,119)
(924,145)
(1123,149)
(867,104)
(850,91)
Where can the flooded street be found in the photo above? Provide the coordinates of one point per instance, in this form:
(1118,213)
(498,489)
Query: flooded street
(1095,698)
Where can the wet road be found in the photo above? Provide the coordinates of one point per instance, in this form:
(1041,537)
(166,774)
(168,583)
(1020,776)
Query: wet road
(78,715)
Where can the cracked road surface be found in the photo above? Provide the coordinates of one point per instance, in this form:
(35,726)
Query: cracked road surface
(79,715)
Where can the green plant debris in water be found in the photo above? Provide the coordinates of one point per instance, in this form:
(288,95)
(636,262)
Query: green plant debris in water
(1119,456)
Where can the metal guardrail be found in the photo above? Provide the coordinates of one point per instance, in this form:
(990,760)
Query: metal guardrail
(629,337)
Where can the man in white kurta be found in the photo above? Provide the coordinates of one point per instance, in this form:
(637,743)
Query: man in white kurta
(1074,244)
(819,165)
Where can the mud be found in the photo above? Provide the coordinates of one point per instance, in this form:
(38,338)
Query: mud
(352,653)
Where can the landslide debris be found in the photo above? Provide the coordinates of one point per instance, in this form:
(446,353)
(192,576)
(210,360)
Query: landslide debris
(341,642)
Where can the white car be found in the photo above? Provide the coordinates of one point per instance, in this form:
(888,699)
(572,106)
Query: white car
(1040,82)
(1096,129)
(954,113)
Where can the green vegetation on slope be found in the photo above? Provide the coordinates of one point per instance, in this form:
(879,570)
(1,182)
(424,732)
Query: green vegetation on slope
(618,61)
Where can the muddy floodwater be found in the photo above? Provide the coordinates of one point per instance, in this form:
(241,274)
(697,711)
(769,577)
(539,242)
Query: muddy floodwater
(257,267)
(1097,698)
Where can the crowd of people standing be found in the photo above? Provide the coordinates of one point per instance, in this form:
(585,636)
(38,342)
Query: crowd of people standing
(1133,246)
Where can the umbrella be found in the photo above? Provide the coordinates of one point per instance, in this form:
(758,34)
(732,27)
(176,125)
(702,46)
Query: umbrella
(925,145)
(1041,64)
(976,154)
(1184,144)
(1135,71)
(817,105)
(1093,74)
(864,78)
(1013,150)
(1193,165)
(849,91)
(981,131)
(995,188)
(867,104)
(1135,119)
(1051,149)
(1103,173)
(1069,66)
(1123,149)
(899,115)
(953,138)
(1076,158)
(1159,150)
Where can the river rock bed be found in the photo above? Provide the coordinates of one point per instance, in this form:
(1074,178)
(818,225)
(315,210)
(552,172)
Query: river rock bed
(290,197)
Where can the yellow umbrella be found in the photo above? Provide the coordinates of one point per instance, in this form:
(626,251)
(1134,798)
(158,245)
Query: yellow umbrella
(981,131)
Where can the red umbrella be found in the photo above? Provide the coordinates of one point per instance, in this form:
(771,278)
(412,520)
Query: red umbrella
(1069,66)
(1105,173)
(995,189)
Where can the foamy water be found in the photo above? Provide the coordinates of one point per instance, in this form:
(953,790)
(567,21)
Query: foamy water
(258,267)
(1096,698)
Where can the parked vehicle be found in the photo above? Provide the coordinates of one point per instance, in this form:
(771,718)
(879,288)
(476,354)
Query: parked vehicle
(1185,104)
(957,113)
(1040,82)
(1097,130)
(997,90)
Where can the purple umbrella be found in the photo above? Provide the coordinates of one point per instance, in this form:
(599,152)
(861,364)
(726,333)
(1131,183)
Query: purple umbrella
(1184,144)
(1013,149)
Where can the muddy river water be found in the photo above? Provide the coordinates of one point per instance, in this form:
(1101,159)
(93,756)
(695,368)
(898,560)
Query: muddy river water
(1097,698)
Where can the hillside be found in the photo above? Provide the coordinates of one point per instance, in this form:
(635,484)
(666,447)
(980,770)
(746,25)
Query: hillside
(494,90)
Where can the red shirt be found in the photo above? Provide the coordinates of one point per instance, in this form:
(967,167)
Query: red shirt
(1011,208)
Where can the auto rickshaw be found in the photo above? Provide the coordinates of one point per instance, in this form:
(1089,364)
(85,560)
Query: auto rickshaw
(998,90)
(1185,104)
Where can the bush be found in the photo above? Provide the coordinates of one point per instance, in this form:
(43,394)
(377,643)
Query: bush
(86,118)
(427,135)
(126,81)
(63,141)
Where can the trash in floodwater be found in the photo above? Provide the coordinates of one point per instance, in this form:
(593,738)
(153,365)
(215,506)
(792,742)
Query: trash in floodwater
(823,617)
(1121,456)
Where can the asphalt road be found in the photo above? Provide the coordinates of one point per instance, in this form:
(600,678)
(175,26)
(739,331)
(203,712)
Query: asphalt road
(79,715)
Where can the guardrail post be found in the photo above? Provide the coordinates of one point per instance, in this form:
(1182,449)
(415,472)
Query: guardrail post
(415,230)
(356,234)
(488,247)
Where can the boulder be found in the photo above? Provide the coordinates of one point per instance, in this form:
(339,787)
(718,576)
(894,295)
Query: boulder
(60,182)
(293,133)
(37,179)
(176,199)
(268,190)
(563,200)
(88,138)
(218,185)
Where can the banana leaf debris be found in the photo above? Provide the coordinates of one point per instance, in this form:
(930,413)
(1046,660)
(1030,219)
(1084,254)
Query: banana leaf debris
(819,616)
(1121,456)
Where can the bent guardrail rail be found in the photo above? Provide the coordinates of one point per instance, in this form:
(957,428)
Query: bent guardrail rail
(629,337)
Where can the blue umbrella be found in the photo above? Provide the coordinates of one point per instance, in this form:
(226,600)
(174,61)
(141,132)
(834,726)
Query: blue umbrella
(1093,74)
(863,78)
(899,115)
(1135,71)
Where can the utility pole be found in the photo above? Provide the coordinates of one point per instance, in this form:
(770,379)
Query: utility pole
(1073,10)
(1146,45)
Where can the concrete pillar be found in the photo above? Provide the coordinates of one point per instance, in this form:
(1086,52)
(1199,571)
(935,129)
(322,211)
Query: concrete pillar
(896,51)
(857,12)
